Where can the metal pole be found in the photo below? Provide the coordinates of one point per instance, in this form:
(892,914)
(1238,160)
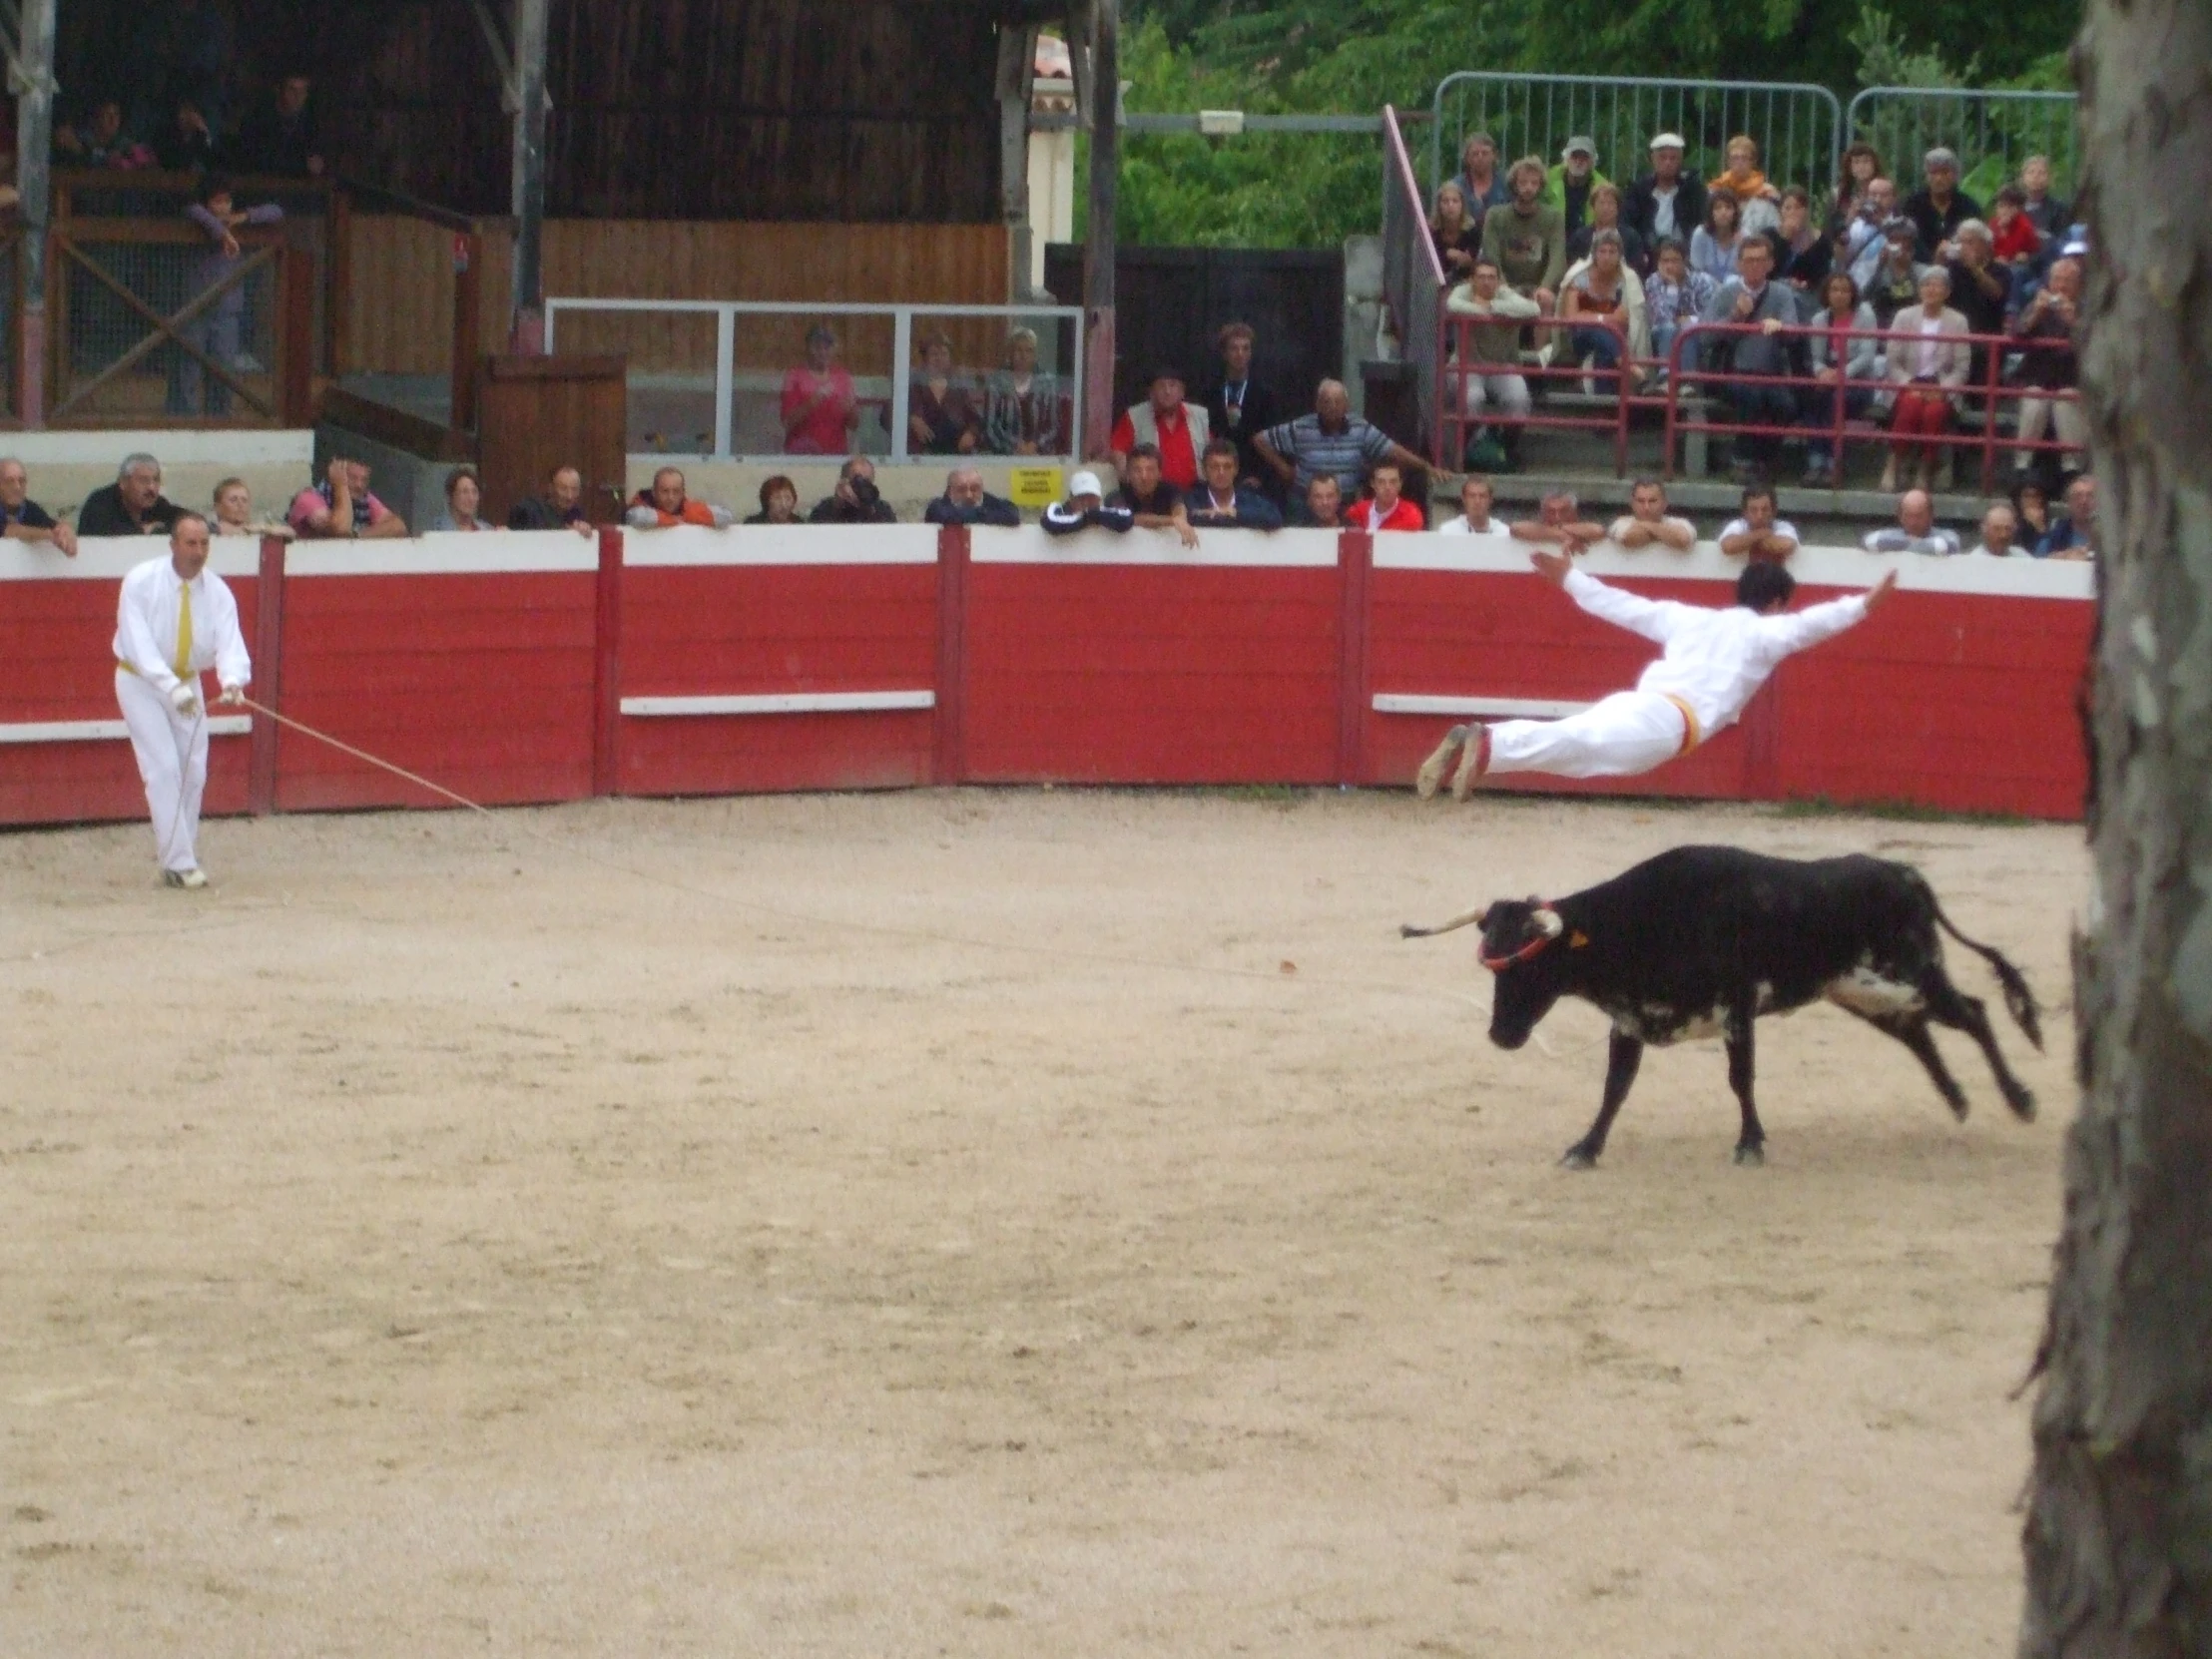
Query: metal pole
(34,143)
(526,333)
(1099,245)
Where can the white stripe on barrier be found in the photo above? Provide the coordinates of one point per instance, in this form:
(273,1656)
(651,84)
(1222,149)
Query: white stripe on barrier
(780,703)
(111,557)
(453,553)
(1513,708)
(1216,549)
(107,730)
(783,544)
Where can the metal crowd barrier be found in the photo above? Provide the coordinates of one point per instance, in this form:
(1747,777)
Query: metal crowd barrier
(1454,424)
(1414,283)
(1992,132)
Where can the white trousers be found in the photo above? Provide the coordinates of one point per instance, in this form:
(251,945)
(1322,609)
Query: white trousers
(172,752)
(1627,733)
(1508,392)
(2073,427)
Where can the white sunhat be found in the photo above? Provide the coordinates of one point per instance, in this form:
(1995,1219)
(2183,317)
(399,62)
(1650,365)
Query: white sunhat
(1669,141)
(1085,483)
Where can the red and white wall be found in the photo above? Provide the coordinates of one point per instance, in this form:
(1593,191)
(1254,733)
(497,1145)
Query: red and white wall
(551,666)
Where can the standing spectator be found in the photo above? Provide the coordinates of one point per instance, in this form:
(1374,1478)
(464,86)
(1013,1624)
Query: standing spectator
(2032,508)
(1457,235)
(1763,354)
(1475,501)
(2000,530)
(1324,503)
(2013,234)
(1598,300)
(1980,290)
(196,57)
(2047,326)
(1569,185)
(1556,524)
(2073,535)
(101,141)
(856,500)
(668,503)
(1179,431)
(1860,165)
(1760,202)
(1938,208)
(463,495)
(219,327)
(819,407)
(942,417)
(560,507)
(1155,503)
(1916,530)
(281,134)
(1755,534)
(1386,508)
(22,519)
(1675,296)
(1240,407)
(1667,200)
(1893,284)
(778,502)
(1333,440)
(1647,521)
(967,501)
(1802,257)
(131,506)
(1860,247)
(1022,410)
(341,506)
(1526,237)
(184,144)
(1605,215)
(1479,181)
(1086,509)
(1715,244)
(1218,503)
(1844,355)
(1925,373)
(2050,216)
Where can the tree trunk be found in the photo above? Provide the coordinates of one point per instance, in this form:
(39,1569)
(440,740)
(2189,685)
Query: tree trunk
(2118,1538)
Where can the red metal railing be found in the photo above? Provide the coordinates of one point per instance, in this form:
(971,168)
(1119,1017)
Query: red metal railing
(1455,339)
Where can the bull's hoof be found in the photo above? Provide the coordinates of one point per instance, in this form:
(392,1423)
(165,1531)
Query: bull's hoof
(1752,1156)
(1579,1156)
(1958,1108)
(2022,1104)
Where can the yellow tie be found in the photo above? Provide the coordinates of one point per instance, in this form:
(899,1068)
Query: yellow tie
(184,632)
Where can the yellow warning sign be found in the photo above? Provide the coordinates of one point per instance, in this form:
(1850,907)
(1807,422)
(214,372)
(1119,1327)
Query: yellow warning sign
(1034,486)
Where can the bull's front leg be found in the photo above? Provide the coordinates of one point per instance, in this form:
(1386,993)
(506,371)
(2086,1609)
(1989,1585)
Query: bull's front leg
(1621,1061)
(1751,1145)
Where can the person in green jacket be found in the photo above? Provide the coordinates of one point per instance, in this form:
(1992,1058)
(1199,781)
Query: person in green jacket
(1567,186)
(1527,238)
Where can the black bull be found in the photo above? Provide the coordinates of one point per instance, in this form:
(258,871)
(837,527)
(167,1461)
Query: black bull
(1701,940)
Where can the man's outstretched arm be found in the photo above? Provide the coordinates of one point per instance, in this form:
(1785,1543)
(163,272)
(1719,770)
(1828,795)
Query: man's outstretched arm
(1796,630)
(1654,619)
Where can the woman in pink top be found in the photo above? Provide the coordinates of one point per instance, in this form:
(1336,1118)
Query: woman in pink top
(820,407)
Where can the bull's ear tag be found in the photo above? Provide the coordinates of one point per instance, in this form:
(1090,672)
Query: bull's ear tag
(1577,939)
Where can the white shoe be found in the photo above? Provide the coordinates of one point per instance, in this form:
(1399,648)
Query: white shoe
(188,878)
(1431,774)
(1474,762)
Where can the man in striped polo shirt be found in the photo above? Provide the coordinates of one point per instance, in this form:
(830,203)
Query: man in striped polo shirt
(1332,441)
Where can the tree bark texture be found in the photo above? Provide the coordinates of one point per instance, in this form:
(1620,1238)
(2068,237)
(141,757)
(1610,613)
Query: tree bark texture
(2119,1537)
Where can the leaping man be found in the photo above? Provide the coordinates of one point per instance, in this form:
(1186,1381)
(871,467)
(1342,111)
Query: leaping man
(1712,662)
(175,620)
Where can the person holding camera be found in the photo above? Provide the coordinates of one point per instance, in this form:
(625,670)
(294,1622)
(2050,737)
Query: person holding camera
(856,500)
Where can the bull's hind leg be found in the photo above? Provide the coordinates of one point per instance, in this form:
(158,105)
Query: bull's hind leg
(1751,1145)
(1621,1061)
(1955,1008)
(1911,1030)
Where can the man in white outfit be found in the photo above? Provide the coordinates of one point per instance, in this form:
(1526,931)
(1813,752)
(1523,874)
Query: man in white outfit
(1712,664)
(174,621)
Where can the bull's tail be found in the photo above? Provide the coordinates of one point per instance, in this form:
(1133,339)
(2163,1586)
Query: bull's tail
(2018,1000)
(1408,930)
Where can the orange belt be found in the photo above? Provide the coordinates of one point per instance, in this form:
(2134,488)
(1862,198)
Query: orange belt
(1691,735)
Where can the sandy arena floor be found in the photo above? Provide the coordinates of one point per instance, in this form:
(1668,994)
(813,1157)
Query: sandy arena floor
(426,1243)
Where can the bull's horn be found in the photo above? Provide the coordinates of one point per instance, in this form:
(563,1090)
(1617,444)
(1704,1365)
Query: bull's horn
(1548,922)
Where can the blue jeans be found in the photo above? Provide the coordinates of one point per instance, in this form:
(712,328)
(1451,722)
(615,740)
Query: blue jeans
(1597,343)
(1819,415)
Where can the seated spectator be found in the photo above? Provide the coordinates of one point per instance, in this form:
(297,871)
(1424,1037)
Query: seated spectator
(1647,521)
(1605,215)
(101,141)
(1489,354)
(281,134)
(967,501)
(2000,531)
(2074,534)
(1155,503)
(1925,375)
(1674,296)
(1981,288)
(561,506)
(1714,245)
(341,506)
(1333,440)
(1893,284)
(819,407)
(1668,201)
(1843,355)
(185,145)
(2013,234)
(1179,431)
(22,519)
(1755,534)
(2049,363)
(1759,201)
(942,417)
(856,500)
(1324,507)
(2051,217)
(1764,356)
(1023,409)
(2032,508)
(668,503)
(1221,503)
(218,328)
(1480,183)
(778,502)
(1457,234)
(1606,302)
(1474,512)
(131,506)
(1086,509)
(465,493)
(1802,257)
(1916,530)
(1526,237)
(1938,208)
(1556,525)
(233,512)
(1860,165)
(1386,508)
(1240,407)
(1569,185)
(1860,247)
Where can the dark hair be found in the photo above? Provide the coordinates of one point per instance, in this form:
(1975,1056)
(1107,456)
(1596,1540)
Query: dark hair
(772,485)
(1670,244)
(1149,451)
(212,185)
(1762,584)
(1753,492)
(1798,194)
(1713,205)
(1385,464)
(1220,446)
(1850,282)
(1233,330)
(1647,484)
(1319,478)
(453,480)
(2013,196)
(177,523)
(1485,260)
(1843,167)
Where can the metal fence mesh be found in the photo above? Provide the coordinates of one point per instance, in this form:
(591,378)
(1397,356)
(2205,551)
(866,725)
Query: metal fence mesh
(129,311)
(1992,133)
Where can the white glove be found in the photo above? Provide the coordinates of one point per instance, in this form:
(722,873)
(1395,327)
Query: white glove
(184,698)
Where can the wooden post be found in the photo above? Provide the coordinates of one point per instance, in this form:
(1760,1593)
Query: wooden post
(468,305)
(295,335)
(338,282)
(1098,246)
(33,145)
(526,315)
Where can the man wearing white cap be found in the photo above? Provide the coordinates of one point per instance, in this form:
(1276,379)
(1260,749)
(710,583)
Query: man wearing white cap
(1569,185)
(1085,510)
(1668,201)
(175,620)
